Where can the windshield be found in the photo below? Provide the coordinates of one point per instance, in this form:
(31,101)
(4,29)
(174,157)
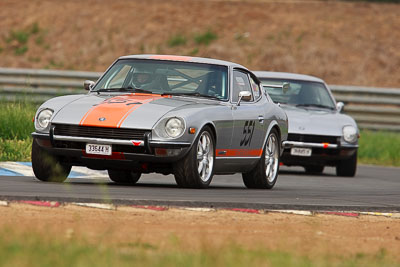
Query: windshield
(300,93)
(166,77)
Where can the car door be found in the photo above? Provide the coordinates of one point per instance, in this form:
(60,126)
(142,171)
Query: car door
(249,129)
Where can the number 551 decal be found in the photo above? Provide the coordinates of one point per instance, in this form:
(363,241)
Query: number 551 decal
(248,131)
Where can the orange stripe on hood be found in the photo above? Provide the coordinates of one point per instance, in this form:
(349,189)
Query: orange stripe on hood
(115,110)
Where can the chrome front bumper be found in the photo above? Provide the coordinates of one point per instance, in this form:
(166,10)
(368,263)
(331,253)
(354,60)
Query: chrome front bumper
(110,141)
(289,144)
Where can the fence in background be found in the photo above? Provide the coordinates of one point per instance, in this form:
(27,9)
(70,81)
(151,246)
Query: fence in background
(372,108)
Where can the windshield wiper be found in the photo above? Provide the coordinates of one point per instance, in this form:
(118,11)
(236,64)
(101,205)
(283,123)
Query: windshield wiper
(191,94)
(314,105)
(122,89)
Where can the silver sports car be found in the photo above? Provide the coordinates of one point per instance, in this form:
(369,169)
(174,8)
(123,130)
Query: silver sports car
(191,117)
(319,134)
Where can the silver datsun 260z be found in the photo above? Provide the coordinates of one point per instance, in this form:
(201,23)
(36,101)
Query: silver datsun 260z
(192,117)
(319,134)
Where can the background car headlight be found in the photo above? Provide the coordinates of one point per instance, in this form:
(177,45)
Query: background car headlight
(43,119)
(175,127)
(350,134)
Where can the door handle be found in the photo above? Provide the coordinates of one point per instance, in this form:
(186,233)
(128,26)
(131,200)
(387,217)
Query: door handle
(261,119)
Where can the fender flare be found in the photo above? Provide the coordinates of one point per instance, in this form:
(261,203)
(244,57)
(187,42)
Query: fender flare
(272,125)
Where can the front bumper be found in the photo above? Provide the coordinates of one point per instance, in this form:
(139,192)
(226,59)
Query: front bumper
(321,154)
(126,154)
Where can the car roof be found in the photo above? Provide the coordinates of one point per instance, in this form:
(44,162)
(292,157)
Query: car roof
(286,75)
(185,59)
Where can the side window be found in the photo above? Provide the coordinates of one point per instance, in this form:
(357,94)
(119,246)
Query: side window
(118,79)
(256,89)
(240,83)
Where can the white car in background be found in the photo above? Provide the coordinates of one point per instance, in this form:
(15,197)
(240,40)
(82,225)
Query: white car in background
(319,134)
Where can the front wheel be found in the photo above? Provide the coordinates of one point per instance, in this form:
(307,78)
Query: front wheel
(195,170)
(124,177)
(46,167)
(347,167)
(265,173)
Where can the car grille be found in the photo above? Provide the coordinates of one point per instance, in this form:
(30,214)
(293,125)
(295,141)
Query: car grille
(309,138)
(99,132)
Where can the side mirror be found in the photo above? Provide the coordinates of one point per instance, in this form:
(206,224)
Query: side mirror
(285,87)
(245,96)
(339,106)
(88,85)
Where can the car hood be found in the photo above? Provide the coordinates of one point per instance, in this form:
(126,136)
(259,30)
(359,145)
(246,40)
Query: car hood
(140,111)
(316,121)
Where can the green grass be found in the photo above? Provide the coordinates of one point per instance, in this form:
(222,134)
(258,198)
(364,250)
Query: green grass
(16,127)
(177,40)
(15,150)
(205,38)
(16,120)
(21,50)
(381,148)
(18,39)
(32,249)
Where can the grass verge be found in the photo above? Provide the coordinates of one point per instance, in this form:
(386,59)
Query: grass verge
(15,150)
(16,127)
(33,249)
(16,120)
(380,148)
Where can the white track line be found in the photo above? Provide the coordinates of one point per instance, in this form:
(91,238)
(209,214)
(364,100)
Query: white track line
(88,173)
(25,170)
(95,205)
(298,212)
(16,167)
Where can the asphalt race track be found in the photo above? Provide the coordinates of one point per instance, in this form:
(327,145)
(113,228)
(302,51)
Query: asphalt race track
(373,189)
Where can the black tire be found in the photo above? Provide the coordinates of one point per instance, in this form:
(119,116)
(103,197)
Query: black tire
(347,167)
(314,169)
(46,167)
(186,170)
(257,177)
(124,177)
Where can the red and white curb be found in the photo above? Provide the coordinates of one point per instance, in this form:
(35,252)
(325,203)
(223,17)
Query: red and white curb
(146,207)
(57,204)
(96,205)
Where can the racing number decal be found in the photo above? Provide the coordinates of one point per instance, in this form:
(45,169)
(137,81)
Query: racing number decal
(116,109)
(121,101)
(248,131)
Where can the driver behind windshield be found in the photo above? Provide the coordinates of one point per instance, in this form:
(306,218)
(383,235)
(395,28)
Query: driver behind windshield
(142,79)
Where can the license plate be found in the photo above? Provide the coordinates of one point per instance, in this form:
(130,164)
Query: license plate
(298,151)
(98,149)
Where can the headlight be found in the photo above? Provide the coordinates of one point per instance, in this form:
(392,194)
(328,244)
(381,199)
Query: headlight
(350,134)
(175,127)
(43,119)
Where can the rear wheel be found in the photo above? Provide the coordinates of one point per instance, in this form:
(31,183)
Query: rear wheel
(314,169)
(195,170)
(124,177)
(46,167)
(347,167)
(265,173)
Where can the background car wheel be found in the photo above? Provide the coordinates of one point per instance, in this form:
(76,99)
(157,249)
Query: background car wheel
(124,177)
(347,167)
(265,173)
(46,167)
(314,169)
(195,170)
